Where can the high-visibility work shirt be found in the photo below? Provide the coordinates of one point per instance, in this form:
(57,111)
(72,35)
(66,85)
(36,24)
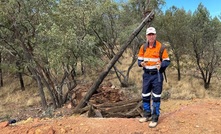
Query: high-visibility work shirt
(152,56)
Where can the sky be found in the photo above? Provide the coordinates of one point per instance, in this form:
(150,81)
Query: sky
(213,6)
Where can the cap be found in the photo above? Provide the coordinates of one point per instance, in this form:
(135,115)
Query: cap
(151,30)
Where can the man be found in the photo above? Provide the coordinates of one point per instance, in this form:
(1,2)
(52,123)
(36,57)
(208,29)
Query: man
(153,66)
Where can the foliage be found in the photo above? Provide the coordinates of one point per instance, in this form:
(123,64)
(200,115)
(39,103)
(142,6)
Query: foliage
(173,29)
(203,36)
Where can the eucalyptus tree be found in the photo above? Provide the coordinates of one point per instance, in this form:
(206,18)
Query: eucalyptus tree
(68,42)
(10,52)
(217,54)
(21,21)
(173,29)
(51,38)
(203,35)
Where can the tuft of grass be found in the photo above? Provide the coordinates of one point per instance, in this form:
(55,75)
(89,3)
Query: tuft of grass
(33,101)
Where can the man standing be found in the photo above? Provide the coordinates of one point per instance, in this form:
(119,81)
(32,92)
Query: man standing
(154,63)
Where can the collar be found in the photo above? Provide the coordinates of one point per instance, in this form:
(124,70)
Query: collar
(154,44)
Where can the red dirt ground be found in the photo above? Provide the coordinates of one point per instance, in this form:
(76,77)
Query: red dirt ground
(201,116)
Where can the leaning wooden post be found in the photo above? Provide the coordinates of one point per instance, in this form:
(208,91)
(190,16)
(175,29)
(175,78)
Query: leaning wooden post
(103,74)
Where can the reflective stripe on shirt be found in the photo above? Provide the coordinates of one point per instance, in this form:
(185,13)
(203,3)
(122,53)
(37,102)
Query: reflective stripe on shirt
(152,59)
(150,67)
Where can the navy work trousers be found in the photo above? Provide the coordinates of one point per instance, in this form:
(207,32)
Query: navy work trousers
(152,87)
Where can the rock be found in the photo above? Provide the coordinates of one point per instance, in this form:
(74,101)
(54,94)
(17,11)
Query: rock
(4,124)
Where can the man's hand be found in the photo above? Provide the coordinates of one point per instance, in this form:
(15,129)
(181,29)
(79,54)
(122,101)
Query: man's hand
(142,64)
(158,65)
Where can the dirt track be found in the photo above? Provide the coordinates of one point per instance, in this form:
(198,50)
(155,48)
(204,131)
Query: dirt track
(177,117)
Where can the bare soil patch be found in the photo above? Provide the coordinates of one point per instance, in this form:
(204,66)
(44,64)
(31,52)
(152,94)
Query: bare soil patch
(177,117)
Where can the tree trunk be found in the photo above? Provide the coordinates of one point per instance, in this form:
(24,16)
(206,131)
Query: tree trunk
(206,85)
(40,87)
(20,75)
(21,81)
(34,72)
(103,74)
(53,98)
(178,69)
(1,78)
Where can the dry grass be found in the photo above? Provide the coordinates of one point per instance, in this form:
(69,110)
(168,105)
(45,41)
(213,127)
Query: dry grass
(12,97)
(189,87)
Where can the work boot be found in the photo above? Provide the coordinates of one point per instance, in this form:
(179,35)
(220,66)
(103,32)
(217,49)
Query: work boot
(153,124)
(154,121)
(146,117)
